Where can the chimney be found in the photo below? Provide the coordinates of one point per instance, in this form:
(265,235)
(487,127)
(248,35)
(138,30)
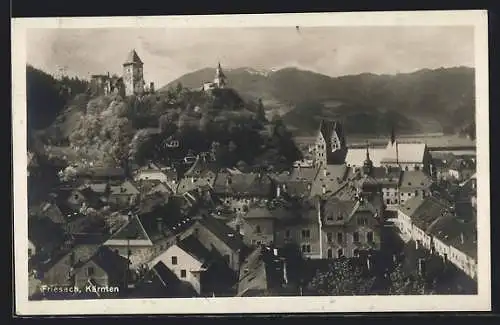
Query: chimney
(275,252)
(152,87)
(177,239)
(278,191)
(462,240)
(368,263)
(324,188)
(417,246)
(394,259)
(421,266)
(445,258)
(192,179)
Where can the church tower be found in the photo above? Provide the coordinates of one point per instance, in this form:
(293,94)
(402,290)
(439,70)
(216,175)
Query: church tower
(367,164)
(220,78)
(133,77)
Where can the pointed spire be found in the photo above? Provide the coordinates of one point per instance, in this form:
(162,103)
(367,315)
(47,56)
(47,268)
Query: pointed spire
(367,152)
(393,135)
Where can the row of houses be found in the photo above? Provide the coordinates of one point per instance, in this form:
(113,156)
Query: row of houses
(434,224)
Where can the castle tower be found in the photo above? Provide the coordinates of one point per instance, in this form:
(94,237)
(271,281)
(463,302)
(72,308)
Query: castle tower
(133,77)
(220,78)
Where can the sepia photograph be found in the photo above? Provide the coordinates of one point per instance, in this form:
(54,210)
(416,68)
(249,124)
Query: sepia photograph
(331,162)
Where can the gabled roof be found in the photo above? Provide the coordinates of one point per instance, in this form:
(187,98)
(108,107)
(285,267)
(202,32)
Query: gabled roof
(223,232)
(327,128)
(253,275)
(132,58)
(200,168)
(193,247)
(132,230)
(112,263)
(331,178)
(415,180)
(161,282)
(404,152)
(342,211)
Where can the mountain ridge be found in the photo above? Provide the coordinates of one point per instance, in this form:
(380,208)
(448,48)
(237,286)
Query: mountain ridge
(426,100)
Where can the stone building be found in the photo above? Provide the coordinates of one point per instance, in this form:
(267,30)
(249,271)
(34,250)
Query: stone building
(133,74)
(330,146)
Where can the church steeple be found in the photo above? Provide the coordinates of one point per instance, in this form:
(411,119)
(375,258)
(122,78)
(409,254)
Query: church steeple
(220,77)
(368,164)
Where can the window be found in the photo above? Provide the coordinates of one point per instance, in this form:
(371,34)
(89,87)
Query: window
(306,233)
(287,234)
(330,253)
(361,221)
(257,229)
(329,237)
(329,217)
(340,237)
(90,271)
(416,193)
(30,252)
(306,248)
(369,237)
(183,273)
(388,201)
(355,252)
(340,252)
(174,260)
(355,237)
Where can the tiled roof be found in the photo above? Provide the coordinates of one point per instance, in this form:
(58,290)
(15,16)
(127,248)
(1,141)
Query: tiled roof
(112,263)
(158,282)
(331,177)
(193,247)
(341,211)
(126,188)
(132,58)
(223,232)
(429,211)
(253,274)
(132,230)
(451,231)
(415,180)
(188,184)
(405,153)
(248,184)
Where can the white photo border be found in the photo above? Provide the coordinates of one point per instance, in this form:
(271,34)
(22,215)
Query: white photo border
(479,302)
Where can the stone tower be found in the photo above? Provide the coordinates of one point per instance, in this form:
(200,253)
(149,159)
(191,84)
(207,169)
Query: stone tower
(220,78)
(133,77)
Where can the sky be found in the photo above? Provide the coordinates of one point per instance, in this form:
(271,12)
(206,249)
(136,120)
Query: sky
(169,53)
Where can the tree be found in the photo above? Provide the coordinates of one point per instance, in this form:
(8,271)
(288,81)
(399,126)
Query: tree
(407,284)
(342,278)
(179,88)
(261,113)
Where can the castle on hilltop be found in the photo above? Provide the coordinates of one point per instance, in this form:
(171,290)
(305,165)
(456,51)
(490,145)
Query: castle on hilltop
(130,83)
(219,82)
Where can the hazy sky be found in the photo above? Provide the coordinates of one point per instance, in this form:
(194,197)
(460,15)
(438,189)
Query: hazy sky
(170,53)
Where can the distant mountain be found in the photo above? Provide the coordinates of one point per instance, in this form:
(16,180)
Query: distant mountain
(423,101)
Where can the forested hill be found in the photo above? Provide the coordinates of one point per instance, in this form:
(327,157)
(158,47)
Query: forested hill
(112,130)
(422,101)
